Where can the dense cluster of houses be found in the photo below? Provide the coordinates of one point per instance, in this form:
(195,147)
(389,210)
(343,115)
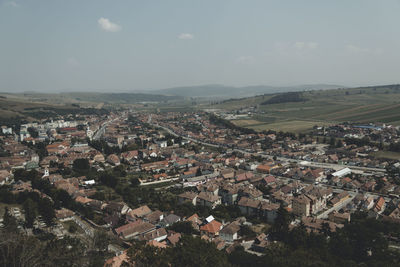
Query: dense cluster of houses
(233,176)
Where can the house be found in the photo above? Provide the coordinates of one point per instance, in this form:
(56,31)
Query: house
(99,158)
(119,260)
(83,200)
(64,214)
(211,229)
(138,213)
(154,217)
(317,225)
(268,180)
(269,211)
(208,199)
(133,154)
(368,203)
(174,238)
(248,206)
(337,217)
(313,176)
(113,160)
(380,205)
(158,234)
(229,194)
(157,244)
(301,206)
(195,220)
(133,229)
(118,208)
(342,172)
(263,168)
(230,232)
(5,176)
(187,196)
(260,243)
(340,198)
(219,243)
(227,173)
(251,192)
(171,219)
(243,176)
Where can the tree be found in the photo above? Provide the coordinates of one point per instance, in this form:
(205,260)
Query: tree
(46,210)
(72,228)
(100,240)
(30,209)
(198,172)
(108,179)
(33,132)
(280,228)
(145,255)
(246,231)
(193,251)
(10,223)
(81,165)
(183,227)
(332,142)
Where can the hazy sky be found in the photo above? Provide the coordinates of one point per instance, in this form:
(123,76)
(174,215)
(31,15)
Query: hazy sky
(56,45)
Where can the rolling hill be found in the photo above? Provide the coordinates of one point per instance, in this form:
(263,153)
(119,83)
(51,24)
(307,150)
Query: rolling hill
(224,92)
(375,104)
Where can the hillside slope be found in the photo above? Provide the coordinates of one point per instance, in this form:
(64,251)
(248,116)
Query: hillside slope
(376,104)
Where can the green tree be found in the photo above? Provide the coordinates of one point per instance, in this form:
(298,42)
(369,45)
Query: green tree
(81,165)
(10,223)
(30,209)
(193,251)
(183,227)
(280,228)
(46,210)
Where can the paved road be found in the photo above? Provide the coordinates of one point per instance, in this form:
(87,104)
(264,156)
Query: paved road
(99,133)
(325,214)
(161,181)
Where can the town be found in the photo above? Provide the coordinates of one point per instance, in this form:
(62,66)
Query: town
(128,177)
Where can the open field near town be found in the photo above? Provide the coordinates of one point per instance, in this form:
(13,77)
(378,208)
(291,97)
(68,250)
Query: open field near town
(387,155)
(360,105)
(295,126)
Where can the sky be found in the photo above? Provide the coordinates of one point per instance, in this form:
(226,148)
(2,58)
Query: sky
(127,45)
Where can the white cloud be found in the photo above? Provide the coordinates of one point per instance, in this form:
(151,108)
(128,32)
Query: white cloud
(72,62)
(245,59)
(363,50)
(186,36)
(108,26)
(305,45)
(11,4)
(356,49)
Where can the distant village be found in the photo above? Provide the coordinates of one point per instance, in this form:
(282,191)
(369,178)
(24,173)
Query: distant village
(139,176)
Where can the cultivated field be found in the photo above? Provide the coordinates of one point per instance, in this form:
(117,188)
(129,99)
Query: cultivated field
(360,105)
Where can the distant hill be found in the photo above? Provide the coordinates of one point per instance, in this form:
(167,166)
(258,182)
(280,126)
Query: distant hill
(223,92)
(126,98)
(300,111)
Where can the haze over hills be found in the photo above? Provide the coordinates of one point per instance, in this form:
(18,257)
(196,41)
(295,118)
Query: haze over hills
(223,91)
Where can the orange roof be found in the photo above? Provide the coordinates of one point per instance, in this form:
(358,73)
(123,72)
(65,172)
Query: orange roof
(157,176)
(263,168)
(212,227)
(83,200)
(379,204)
(117,260)
(157,244)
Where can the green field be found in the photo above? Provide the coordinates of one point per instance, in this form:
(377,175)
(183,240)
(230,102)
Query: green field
(387,155)
(360,105)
